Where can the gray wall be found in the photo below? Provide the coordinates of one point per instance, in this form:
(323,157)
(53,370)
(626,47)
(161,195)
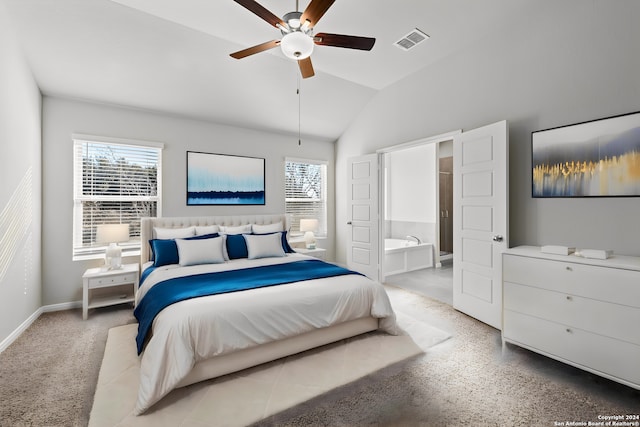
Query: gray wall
(20,109)
(565,62)
(61,118)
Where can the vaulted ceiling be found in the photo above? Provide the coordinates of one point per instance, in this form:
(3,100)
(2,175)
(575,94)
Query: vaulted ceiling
(173,56)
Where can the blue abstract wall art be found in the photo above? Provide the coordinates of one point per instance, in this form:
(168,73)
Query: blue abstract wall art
(220,179)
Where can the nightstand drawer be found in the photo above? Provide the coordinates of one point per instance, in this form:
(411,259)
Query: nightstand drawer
(316,253)
(97,282)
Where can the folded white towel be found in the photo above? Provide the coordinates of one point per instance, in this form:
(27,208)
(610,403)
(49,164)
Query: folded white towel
(557,250)
(595,253)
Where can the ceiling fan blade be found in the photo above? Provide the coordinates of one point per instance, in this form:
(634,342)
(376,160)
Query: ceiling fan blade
(255,49)
(306,68)
(261,11)
(340,40)
(315,10)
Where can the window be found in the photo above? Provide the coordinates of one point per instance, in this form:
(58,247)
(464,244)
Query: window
(306,192)
(115,182)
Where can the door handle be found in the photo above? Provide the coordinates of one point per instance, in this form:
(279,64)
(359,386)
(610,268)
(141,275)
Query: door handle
(349,223)
(498,238)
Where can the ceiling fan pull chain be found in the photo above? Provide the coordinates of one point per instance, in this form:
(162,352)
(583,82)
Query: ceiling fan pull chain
(298,93)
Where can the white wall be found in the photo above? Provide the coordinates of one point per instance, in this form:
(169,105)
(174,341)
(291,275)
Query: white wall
(411,193)
(411,184)
(564,62)
(20,110)
(61,118)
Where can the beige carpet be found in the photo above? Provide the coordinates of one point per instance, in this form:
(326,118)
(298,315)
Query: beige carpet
(251,395)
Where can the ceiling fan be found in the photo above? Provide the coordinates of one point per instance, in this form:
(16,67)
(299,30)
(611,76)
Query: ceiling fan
(297,34)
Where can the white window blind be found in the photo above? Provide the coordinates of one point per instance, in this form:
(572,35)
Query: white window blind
(114,183)
(306,192)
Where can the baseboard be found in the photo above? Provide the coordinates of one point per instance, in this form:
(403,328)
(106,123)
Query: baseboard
(44,309)
(62,306)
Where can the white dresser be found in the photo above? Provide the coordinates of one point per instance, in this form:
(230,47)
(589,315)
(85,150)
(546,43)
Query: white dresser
(584,312)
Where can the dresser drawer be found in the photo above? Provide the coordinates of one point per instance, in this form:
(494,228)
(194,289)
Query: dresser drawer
(588,350)
(98,282)
(601,283)
(604,318)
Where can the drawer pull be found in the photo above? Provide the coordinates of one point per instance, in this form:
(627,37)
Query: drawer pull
(569,268)
(569,298)
(569,330)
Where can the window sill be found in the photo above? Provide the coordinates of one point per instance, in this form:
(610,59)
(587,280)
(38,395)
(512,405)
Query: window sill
(92,256)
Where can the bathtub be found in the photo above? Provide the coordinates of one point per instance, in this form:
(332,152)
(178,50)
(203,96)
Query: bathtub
(402,255)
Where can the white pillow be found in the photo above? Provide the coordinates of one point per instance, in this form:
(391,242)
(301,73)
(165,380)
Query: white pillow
(238,229)
(202,251)
(264,245)
(174,233)
(268,228)
(206,229)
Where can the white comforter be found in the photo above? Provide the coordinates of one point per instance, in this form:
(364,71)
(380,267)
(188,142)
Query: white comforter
(197,329)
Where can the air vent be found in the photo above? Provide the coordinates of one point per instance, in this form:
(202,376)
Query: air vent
(411,40)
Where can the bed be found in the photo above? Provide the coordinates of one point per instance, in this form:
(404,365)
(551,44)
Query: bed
(293,302)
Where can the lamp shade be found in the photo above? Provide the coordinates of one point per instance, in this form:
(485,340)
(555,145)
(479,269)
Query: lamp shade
(112,233)
(296,45)
(308,225)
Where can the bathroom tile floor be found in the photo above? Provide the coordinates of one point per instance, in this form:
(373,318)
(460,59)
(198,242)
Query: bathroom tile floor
(436,283)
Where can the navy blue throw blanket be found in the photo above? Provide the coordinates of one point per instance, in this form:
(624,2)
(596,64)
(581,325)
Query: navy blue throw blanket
(170,291)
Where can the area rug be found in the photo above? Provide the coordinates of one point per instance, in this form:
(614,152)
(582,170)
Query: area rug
(248,396)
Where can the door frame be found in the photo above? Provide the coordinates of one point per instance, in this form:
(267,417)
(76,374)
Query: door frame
(436,139)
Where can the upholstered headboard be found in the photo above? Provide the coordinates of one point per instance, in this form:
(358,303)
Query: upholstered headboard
(147,225)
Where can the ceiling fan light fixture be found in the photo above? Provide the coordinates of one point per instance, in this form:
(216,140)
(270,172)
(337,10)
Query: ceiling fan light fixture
(293,20)
(294,23)
(296,45)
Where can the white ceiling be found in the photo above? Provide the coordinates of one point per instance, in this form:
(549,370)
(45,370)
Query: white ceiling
(173,55)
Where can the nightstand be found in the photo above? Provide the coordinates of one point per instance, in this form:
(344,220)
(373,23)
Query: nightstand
(124,281)
(317,252)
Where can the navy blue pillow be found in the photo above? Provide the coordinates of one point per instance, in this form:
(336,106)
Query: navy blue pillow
(237,246)
(285,244)
(165,251)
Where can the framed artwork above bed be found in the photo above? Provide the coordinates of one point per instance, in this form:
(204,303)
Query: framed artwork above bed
(222,179)
(599,158)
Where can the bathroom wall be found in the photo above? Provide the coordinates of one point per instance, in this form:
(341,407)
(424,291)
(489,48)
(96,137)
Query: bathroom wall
(411,192)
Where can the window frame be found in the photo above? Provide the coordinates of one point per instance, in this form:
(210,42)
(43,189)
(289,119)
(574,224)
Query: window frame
(323,229)
(79,250)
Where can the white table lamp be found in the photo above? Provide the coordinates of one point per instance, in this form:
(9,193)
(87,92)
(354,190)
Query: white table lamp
(112,234)
(308,226)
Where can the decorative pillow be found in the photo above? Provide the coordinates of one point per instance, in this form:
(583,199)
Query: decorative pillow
(264,245)
(236,246)
(238,229)
(200,251)
(165,251)
(206,229)
(268,228)
(285,242)
(174,233)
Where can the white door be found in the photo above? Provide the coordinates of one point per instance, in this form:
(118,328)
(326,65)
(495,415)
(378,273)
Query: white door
(362,239)
(480,220)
